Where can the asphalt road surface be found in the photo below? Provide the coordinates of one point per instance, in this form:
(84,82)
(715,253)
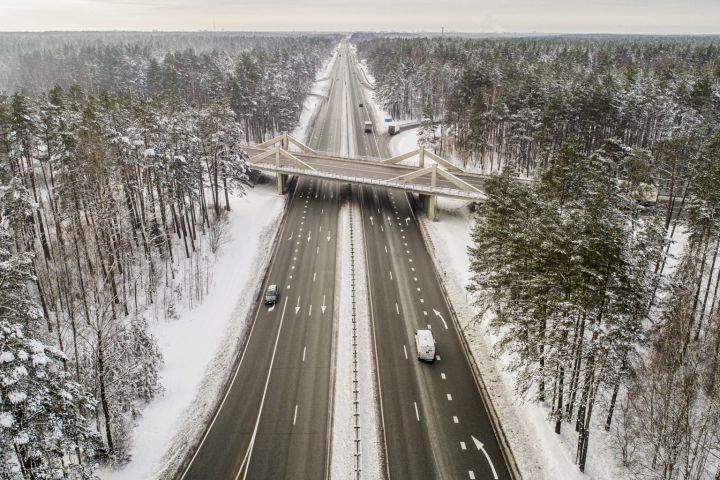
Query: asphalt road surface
(434,420)
(274,421)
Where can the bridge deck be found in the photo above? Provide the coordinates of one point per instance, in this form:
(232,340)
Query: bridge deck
(369,172)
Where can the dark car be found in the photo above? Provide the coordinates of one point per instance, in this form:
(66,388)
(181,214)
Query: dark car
(271,295)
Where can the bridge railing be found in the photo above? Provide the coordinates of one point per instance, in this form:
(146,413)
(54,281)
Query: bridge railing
(417,187)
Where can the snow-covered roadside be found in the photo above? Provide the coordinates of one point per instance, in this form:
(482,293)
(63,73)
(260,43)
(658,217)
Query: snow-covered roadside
(342,461)
(198,348)
(537,454)
(318,94)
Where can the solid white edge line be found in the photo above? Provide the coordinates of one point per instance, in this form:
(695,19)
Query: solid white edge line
(237,370)
(246,461)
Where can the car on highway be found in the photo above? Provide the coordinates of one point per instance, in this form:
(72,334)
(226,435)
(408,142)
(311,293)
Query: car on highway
(271,295)
(362,104)
(368,127)
(425,345)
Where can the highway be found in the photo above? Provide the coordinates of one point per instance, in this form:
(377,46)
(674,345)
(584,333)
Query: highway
(434,420)
(274,421)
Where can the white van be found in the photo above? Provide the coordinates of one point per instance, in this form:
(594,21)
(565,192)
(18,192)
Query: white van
(425,344)
(368,127)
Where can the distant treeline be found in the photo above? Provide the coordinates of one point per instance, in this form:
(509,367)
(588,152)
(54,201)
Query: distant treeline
(518,99)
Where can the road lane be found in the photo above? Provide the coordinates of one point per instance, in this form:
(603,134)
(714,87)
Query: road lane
(429,410)
(286,394)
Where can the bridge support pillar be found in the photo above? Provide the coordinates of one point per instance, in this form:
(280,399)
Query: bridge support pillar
(428,202)
(281,182)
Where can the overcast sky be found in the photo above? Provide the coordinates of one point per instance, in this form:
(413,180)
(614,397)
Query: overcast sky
(641,16)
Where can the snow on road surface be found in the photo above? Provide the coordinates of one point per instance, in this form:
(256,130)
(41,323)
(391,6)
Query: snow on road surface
(198,347)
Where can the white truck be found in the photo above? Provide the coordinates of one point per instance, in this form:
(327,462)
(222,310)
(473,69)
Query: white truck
(425,345)
(368,126)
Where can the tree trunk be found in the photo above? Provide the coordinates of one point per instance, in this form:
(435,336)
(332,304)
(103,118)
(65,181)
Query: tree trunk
(103,393)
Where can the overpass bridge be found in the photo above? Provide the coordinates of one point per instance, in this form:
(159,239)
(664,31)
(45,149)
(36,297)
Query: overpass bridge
(438,178)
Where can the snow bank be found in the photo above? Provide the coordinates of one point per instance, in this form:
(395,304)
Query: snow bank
(342,463)
(539,452)
(318,94)
(198,348)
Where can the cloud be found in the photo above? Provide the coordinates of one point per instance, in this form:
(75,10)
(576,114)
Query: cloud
(663,16)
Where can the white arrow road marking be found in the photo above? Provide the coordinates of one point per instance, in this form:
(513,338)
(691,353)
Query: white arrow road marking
(271,308)
(371,221)
(389,219)
(308,239)
(480,446)
(328,238)
(297,307)
(291,235)
(323,307)
(441,318)
(407,221)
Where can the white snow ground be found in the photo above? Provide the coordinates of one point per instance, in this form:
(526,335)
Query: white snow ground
(198,347)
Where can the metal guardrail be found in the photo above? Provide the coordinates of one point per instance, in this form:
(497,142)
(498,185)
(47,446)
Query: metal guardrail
(415,187)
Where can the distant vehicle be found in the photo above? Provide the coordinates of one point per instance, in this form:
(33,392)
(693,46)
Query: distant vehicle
(393,129)
(271,295)
(425,344)
(361,104)
(368,127)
